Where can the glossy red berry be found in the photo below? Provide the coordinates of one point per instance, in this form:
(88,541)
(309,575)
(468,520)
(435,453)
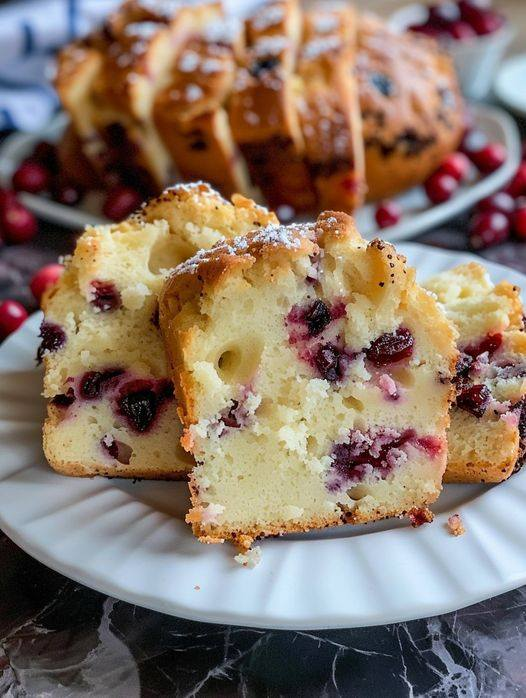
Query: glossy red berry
(46,154)
(7,198)
(12,315)
(120,202)
(17,224)
(440,187)
(388,213)
(501,202)
(45,277)
(456,165)
(519,222)
(461,31)
(32,177)
(427,29)
(490,157)
(472,142)
(517,186)
(487,229)
(487,22)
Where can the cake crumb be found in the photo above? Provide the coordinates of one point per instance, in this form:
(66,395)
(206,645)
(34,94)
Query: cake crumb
(249,559)
(418,517)
(197,587)
(455,525)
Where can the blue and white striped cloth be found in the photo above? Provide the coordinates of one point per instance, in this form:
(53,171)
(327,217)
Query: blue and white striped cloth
(30,33)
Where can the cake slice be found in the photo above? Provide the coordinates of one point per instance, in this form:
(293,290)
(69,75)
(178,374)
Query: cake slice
(314,381)
(487,436)
(111,408)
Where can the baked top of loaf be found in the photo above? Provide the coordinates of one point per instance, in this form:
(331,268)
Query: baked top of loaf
(111,409)
(313,377)
(487,437)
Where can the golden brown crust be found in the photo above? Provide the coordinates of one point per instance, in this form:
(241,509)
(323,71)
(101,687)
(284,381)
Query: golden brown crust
(411,107)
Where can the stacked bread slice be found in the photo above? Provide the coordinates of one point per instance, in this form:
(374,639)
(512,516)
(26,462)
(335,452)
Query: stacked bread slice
(111,408)
(275,102)
(487,437)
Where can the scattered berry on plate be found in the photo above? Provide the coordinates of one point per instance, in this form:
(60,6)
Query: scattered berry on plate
(501,202)
(519,221)
(12,315)
(388,213)
(456,165)
(17,224)
(120,202)
(490,157)
(517,186)
(440,187)
(32,177)
(488,228)
(43,278)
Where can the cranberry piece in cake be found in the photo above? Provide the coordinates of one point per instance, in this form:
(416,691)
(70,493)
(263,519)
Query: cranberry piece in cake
(331,362)
(93,383)
(391,347)
(317,317)
(140,400)
(105,296)
(474,399)
(53,339)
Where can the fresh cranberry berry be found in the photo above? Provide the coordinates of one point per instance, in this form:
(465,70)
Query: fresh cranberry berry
(472,142)
(105,296)
(487,229)
(53,338)
(501,202)
(391,347)
(461,31)
(487,22)
(440,187)
(12,315)
(17,224)
(120,202)
(7,199)
(517,186)
(474,399)
(490,158)
(45,277)
(443,13)
(427,29)
(317,317)
(455,165)
(388,213)
(67,194)
(93,383)
(519,222)
(31,176)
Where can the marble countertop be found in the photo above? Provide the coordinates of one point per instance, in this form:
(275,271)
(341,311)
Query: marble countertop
(58,638)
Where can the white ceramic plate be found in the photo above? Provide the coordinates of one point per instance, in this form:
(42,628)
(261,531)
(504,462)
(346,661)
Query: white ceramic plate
(509,84)
(419,215)
(129,540)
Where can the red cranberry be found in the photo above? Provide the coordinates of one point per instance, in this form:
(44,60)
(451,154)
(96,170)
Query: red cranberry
(455,165)
(120,202)
(330,362)
(461,31)
(105,296)
(45,277)
(500,202)
(472,142)
(427,29)
(490,158)
(139,409)
(31,176)
(17,224)
(490,344)
(53,338)
(488,228)
(517,186)
(7,198)
(440,187)
(474,400)
(12,315)
(391,347)
(487,22)
(388,213)
(519,222)
(67,194)
(117,449)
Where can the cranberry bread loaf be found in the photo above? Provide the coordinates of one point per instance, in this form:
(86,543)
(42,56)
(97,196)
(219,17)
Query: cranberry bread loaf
(487,436)
(313,377)
(411,107)
(111,408)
